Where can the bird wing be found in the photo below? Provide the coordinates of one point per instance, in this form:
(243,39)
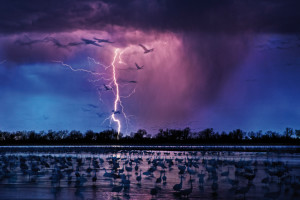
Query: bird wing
(75,43)
(85,40)
(143,47)
(92,42)
(102,40)
(99,40)
(98,45)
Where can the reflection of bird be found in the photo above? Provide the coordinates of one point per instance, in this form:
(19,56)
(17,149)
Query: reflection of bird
(139,178)
(138,67)
(164,177)
(94,179)
(158,180)
(117,188)
(154,191)
(177,187)
(145,49)
(188,191)
(201,178)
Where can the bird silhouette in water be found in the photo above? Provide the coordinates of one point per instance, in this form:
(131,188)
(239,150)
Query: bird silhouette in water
(164,178)
(139,178)
(94,179)
(158,180)
(117,188)
(177,187)
(188,191)
(154,191)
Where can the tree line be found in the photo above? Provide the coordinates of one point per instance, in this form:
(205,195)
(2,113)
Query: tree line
(167,136)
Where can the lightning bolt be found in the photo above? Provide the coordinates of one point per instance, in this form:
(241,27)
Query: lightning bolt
(113,83)
(118,101)
(78,70)
(117,95)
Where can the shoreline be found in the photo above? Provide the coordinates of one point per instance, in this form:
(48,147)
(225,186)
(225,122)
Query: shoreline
(241,148)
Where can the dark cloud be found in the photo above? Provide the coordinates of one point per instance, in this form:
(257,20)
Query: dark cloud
(199,45)
(176,83)
(175,15)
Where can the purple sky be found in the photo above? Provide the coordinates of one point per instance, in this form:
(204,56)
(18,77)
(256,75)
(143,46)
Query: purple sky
(222,65)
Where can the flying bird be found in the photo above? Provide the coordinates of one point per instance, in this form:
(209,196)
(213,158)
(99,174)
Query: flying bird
(92,42)
(72,44)
(102,40)
(56,42)
(100,115)
(29,41)
(116,112)
(92,105)
(107,87)
(145,49)
(126,81)
(139,67)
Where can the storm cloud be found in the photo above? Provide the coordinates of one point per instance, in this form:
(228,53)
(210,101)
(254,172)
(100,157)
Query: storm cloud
(198,45)
(213,16)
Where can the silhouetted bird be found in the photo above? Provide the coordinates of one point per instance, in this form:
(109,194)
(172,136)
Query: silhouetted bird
(145,49)
(102,40)
(138,67)
(177,187)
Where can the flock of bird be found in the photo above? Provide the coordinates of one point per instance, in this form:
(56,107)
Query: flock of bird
(155,174)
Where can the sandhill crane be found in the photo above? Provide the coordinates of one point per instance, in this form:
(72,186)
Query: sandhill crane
(145,49)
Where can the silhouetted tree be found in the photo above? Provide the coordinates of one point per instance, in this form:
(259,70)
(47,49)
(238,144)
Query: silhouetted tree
(167,136)
(237,134)
(297,132)
(63,134)
(206,133)
(288,133)
(140,134)
(75,135)
(90,135)
(186,133)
